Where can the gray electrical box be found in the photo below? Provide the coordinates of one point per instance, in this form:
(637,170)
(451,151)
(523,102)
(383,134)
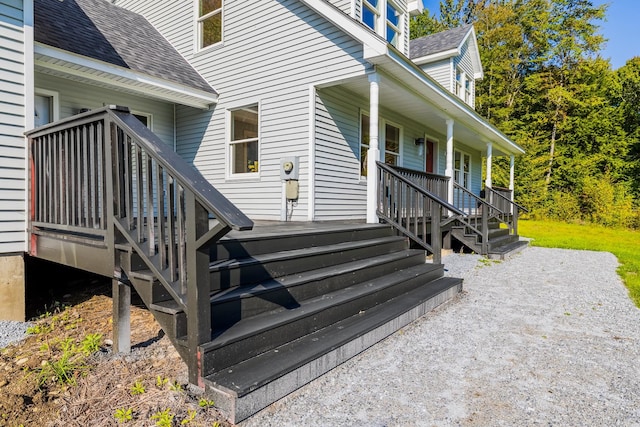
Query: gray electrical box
(292,189)
(289,168)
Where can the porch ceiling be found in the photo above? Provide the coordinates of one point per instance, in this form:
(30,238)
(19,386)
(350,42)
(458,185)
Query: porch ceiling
(78,68)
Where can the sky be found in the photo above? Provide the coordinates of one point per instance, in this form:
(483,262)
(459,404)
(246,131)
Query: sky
(619,29)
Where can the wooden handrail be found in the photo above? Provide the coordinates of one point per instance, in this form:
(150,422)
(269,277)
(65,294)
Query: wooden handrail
(104,176)
(409,208)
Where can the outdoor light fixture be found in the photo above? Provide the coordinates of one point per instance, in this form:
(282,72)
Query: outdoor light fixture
(420,143)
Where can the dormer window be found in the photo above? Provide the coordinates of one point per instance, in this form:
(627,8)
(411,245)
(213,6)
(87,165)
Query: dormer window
(385,18)
(209,22)
(460,83)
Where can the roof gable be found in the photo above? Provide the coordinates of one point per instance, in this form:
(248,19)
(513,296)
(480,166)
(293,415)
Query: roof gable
(447,44)
(104,32)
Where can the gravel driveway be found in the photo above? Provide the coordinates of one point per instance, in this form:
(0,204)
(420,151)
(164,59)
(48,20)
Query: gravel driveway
(546,338)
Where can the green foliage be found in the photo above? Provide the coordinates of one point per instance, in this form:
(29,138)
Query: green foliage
(206,403)
(137,388)
(91,344)
(623,243)
(191,416)
(123,415)
(65,368)
(163,418)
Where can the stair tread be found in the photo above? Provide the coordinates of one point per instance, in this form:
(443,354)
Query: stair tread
(298,253)
(254,325)
(509,247)
(260,370)
(219,297)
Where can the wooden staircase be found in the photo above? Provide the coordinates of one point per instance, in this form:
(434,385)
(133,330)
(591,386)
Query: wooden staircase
(501,243)
(291,301)
(255,314)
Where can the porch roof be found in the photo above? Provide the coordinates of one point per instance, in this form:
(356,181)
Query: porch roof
(99,43)
(407,89)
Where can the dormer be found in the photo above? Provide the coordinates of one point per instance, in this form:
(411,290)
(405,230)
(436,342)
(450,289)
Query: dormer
(387,18)
(452,59)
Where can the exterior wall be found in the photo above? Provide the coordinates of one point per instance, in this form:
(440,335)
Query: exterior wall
(273,64)
(74,96)
(13,104)
(441,71)
(340,191)
(343,5)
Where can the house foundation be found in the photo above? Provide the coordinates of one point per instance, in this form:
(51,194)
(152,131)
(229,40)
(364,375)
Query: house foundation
(12,288)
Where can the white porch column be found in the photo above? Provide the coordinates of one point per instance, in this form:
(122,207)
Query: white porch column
(487,180)
(511,175)
(449,167)
(373,154)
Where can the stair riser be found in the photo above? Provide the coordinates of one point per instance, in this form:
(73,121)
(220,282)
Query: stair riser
(255,273)
(502,242)
(228,313)
(240,248)
(236,352)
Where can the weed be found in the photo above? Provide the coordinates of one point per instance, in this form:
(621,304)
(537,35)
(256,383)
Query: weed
(206,403)
(66,368)
(163,418)
(160,382)
(190,417)
(176,386)
(137,388)
(123,415)
(91,344)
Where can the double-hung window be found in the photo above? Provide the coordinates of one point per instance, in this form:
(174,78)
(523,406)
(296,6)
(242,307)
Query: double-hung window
(244,144)
(364,143)
(209,22)
(393,24)
(371,13)
(391,145)
(462,168)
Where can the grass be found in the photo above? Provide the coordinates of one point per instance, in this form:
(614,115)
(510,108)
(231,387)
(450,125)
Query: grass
(623,243)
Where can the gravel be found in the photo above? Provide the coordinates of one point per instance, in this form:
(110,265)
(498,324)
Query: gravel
(11,331)
(549,337)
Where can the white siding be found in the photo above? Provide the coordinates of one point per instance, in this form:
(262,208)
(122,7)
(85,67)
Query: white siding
(343,5)
(74,96)
(465,63)
(340,193)
(273,64)
(440,71)
(12,127)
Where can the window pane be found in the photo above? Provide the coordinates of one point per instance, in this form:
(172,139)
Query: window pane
(212,30)
(369,18)
(208,6)
(392,36)
(363,160)
(392,15)
(392,139)
(245,157)
(391,158)
(364,143)
(244,123)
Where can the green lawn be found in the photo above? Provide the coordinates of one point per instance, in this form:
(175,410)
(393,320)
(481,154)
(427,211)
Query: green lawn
(624,244)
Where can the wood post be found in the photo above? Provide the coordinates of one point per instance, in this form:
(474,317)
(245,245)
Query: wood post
(121,294)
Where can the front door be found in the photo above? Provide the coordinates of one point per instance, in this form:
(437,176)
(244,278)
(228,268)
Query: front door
(429,147)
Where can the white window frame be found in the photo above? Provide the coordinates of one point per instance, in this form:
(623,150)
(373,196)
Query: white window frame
(229,151)
(396,28)
(55,102)
(198,23)
(383,139)
(366,4)
(149,117)
(461,171)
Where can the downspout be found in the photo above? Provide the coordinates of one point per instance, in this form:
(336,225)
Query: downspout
(311,196)
(29,103)
(175,131)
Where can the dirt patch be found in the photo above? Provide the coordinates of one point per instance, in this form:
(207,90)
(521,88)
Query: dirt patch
(66,374)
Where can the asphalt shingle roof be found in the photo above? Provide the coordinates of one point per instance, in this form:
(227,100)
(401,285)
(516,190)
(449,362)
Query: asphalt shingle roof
(105,32)
(438,42)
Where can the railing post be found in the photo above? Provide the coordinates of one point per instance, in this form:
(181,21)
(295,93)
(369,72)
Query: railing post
(485,230)
(515,218)
(198,305)
(436,233)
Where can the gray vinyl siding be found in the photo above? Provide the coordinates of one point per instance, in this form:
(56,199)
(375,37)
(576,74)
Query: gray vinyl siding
(343,5)
(74,96)
(273,64)
(340,191)
(440,71)
(12,127)
(465,63)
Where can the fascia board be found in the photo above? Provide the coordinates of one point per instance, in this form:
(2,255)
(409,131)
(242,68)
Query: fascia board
(445,54)
(182,94)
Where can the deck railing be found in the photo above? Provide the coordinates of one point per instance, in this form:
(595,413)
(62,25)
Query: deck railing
(434,184)
(501,198)
(412,210)
(103,178)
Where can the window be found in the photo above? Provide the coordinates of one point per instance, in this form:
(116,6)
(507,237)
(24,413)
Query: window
(370,13)
(461,168)
(144,118)
(459,82)
(467,91)
(393,24)
(364,143)
(46,107)
(209,22)
(391,145)
(244,142)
